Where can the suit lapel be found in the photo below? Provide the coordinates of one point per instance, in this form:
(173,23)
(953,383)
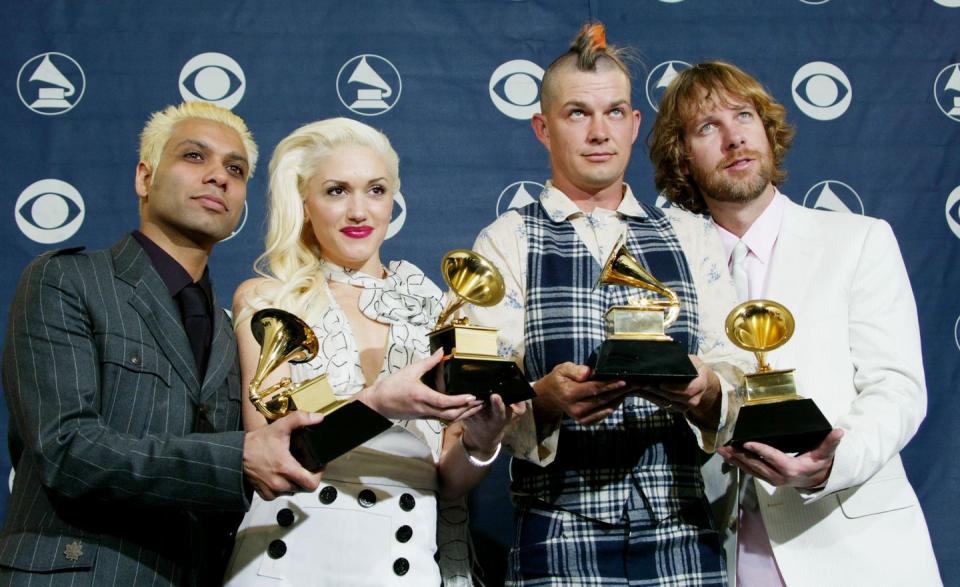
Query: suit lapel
(793,267)
(153,303)
(223,352)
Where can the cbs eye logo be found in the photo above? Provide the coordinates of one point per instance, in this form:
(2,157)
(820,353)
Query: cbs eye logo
(398,217)
(952,211)
(821,90)
(213,77)
(659,78)
(515,88)
(49,211)
(948,3)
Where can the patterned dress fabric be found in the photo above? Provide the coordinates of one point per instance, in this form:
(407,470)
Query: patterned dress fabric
(374,520)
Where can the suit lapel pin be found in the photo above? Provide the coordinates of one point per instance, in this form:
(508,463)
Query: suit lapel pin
(73,551)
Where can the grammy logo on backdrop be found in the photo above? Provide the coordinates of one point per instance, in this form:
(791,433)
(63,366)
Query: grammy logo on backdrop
(637,348)
(471,363)
(770,409)
(347,424)
(58,87)
(370,97)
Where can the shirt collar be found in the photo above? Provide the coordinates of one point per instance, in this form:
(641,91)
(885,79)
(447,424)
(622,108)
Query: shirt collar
(174,276)
(559,207)
(762,234)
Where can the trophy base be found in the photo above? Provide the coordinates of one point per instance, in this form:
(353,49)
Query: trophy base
(791,426)
(480,377)
(642,361)
(344,428)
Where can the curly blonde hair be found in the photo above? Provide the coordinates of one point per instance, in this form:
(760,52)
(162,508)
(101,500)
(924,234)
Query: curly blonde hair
(291,261)
(691,90)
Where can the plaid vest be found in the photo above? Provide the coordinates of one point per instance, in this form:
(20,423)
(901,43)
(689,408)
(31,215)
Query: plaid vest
(640,446)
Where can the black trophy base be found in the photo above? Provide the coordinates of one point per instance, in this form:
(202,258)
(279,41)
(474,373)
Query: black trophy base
(790,426)
(480,378)
(642,361)
(341,431)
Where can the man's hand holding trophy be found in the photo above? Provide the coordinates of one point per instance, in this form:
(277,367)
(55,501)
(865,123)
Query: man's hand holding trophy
(347,424)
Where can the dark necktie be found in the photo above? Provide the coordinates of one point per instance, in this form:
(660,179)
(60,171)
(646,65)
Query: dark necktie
(196,322)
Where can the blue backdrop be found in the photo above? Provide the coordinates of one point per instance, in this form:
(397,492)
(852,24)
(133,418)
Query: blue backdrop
(872,86)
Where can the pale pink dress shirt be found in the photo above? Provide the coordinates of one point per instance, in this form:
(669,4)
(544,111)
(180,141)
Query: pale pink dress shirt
(756,565)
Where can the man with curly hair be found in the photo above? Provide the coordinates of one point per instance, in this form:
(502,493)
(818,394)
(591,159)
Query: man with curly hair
(844,512)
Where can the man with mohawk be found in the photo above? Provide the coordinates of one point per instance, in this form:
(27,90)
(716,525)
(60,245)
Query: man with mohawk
(605,478)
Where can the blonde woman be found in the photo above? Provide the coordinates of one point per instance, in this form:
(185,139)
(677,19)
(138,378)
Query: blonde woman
(374,519)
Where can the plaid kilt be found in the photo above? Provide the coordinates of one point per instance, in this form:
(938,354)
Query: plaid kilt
(623,502)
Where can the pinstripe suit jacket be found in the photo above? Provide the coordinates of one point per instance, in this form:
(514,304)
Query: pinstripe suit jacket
(114,486)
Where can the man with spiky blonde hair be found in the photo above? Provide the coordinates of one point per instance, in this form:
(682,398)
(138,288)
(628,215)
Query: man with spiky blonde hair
(605,476)
(121,374)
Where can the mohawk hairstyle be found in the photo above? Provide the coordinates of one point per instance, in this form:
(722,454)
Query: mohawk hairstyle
(587,49)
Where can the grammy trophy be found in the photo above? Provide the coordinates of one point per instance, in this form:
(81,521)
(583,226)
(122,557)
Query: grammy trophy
(346,424)
(470,362)
(770,409)
(637,349)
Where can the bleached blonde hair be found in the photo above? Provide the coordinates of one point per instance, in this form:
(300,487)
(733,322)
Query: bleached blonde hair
(291,260)
(159,128)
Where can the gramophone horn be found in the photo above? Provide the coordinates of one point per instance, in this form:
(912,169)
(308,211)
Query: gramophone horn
(622,268)
(760,326)
(283,338)
(472,278)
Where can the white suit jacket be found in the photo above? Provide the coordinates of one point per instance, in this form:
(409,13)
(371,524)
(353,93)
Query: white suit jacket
(856,350)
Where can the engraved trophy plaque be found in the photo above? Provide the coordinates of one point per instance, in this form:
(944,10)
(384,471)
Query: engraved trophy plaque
(636,348)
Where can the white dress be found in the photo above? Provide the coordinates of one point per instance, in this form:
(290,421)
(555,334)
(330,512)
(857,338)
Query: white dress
(374,519)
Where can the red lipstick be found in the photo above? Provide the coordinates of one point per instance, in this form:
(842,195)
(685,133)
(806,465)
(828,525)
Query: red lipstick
(357,231)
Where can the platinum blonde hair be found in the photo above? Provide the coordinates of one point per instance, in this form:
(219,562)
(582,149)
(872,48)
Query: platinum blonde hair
(291,260)
(159,127)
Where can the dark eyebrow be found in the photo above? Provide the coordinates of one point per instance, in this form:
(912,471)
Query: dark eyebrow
(199,144)
(336,181)
(231,156)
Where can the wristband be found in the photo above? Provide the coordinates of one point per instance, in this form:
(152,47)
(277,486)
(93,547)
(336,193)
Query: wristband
(474,460)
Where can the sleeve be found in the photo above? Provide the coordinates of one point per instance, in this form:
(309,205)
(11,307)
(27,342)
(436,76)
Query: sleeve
(504,243)
(52,380)
(716,296)
(888,376)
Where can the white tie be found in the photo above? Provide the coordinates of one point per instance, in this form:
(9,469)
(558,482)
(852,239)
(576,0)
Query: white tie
(738,269)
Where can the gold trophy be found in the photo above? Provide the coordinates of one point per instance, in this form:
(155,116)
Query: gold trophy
(770,409)
(471,363)
(346,424)
(637,348)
